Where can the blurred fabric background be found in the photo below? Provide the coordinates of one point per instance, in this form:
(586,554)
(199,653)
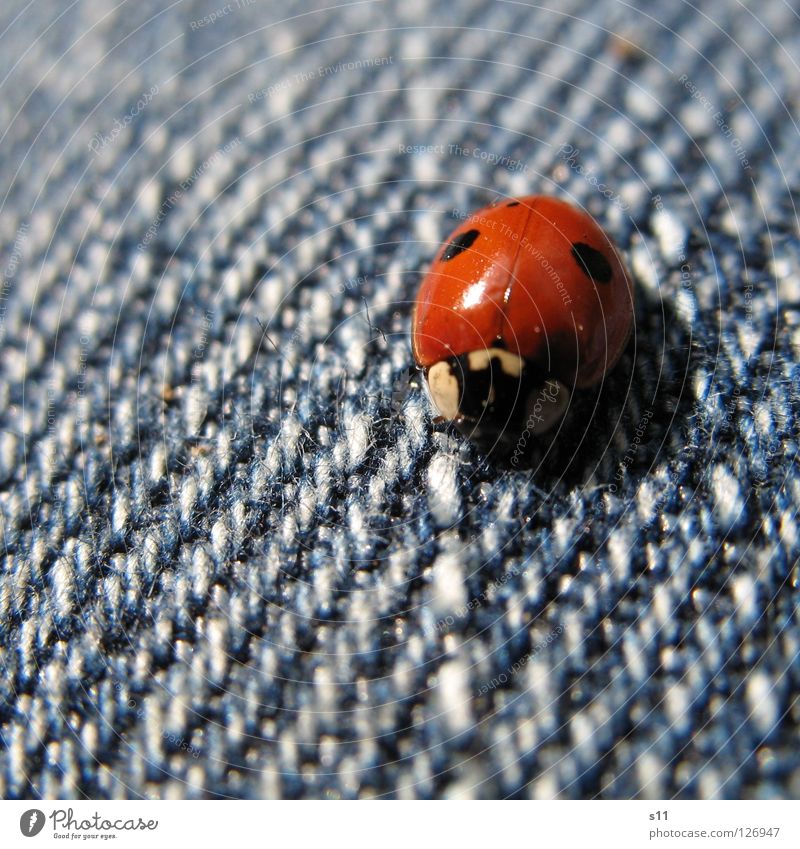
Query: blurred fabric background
(239,559)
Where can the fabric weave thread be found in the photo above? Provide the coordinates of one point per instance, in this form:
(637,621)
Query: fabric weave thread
(236,561)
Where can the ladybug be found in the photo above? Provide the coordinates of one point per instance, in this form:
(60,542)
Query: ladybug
(526,301)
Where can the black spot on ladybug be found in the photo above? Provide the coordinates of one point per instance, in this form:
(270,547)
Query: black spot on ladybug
(592,262)
(461,242)
(513,203)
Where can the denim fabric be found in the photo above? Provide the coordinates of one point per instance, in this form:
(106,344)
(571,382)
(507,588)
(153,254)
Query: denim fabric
(239,557)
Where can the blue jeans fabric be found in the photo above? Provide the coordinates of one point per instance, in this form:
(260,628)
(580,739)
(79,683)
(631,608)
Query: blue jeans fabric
(239,557)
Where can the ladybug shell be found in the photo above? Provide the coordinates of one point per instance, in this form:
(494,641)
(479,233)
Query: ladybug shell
(535,276)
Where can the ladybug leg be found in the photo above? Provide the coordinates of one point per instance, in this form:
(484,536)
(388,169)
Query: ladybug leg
(404,383)
(546,406)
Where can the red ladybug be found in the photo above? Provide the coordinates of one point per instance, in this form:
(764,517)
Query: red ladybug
(527,300)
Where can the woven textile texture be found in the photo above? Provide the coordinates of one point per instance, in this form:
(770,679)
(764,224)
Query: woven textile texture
(240,559)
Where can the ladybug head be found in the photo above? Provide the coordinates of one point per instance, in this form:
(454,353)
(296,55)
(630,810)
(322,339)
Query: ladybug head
(493,396)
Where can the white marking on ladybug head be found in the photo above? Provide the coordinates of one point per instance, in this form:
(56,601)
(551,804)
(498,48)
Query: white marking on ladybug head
(444,389)
(547,406)
(511,364)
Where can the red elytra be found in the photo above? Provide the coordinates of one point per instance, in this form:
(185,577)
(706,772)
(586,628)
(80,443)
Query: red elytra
(535,277)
